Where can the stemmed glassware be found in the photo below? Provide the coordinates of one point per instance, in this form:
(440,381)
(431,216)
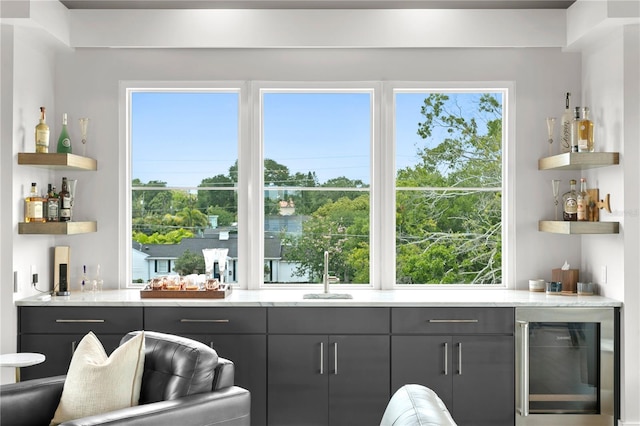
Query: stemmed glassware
(551,123)
(555,184)
(84,123)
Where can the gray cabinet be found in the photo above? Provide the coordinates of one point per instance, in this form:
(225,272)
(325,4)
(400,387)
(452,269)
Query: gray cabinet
(466,355)
(238,334)
(55,332)
(328,366)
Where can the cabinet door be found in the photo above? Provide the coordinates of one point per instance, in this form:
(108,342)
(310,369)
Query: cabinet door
(249,355)
(483,391)
(423,360)
(298,380)
(358,379)
(58,350)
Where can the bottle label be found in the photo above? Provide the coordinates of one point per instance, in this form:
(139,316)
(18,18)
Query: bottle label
(52,210)
(65,213)
(571,206)
(66,203)
(581,210)
(34,211)
(66,142)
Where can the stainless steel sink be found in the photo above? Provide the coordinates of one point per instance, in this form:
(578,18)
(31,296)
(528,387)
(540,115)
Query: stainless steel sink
(327,296)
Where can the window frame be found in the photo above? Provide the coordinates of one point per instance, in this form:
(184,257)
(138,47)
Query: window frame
(382,192)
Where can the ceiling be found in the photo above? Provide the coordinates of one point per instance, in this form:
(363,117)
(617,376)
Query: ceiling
(317,4)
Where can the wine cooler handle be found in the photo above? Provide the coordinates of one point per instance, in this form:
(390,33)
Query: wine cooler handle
(321,358)
(335,358)
(524,369)
(459,359)
(446,358)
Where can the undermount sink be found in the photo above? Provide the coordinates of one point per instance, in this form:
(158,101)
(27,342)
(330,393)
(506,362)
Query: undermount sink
(327,296)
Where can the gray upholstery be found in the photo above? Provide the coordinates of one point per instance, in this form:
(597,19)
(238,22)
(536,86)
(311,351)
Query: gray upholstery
(184,383)
(416,405)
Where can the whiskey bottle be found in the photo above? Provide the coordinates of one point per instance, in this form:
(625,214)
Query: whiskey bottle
(34,206)
(575,130)
(53,205)
(583,201)
(64,142)
(65,201)
(565,127)
(570,202)
(585,132)
(42,134)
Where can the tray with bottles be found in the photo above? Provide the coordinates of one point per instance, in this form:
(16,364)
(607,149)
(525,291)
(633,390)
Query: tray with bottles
(178,287)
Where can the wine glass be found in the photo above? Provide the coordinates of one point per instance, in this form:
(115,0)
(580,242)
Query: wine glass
(84,123)
(555,184)
(551,123)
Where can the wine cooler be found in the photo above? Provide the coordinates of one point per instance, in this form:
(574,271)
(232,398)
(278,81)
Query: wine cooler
(566,366)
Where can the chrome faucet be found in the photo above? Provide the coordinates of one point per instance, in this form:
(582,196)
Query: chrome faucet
(325,276)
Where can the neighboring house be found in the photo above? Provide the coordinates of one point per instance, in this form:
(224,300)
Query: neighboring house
(150,260)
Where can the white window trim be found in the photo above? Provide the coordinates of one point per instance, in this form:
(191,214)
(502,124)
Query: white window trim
(382,188)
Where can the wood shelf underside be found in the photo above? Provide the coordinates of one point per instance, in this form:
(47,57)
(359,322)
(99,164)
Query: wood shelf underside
(57,228)
(579,160)
(57,161)
(562,227)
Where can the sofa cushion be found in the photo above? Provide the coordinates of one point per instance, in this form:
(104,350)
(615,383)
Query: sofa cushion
(414,405)
(97,383)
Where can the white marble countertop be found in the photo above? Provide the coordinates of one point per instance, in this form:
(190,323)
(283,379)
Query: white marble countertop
(288,297)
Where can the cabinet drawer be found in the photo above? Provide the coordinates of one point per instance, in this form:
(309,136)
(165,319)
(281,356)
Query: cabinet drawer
(329,320)
(206,320)
(452,320)
(73,320)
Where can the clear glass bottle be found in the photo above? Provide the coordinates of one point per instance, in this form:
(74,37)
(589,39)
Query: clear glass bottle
(65,201)
(42,134)
(53,205)
(34,206)
(585,132)
(575,130)
(64,142)
(565,127)
(583,201)
(570,203)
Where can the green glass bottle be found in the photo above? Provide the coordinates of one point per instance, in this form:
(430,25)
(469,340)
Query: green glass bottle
(64,142)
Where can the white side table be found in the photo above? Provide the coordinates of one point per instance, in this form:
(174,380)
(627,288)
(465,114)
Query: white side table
(23,359)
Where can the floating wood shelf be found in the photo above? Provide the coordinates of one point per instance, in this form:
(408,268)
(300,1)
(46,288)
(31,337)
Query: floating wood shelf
(562,227)
(57,161)
(579,160)
(57,228)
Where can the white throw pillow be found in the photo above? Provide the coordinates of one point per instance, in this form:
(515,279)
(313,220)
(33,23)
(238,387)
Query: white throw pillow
(97,383)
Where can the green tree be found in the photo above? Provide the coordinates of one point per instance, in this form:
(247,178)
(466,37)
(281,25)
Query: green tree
(190,263)
(222,199)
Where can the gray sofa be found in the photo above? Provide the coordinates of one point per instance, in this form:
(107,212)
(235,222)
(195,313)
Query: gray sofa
(184,383)
(414,405)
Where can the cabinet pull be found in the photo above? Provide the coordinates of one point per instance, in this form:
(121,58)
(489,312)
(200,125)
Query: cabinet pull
(446,358)
(321,358)
(459,359)
(73,347)
(453,320)
(80,320)
(524,368)
(335,358)
(204,320)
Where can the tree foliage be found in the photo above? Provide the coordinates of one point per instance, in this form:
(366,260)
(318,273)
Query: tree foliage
(190,263)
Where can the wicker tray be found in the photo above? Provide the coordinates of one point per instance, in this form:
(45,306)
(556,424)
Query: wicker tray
(148,293)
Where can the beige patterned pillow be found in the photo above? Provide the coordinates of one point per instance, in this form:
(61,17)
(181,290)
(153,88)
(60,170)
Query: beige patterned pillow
(97,383)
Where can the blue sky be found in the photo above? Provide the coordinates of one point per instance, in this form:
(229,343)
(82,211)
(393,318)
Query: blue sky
(182,138)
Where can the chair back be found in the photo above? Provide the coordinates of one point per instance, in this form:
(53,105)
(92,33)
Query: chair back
(174,367)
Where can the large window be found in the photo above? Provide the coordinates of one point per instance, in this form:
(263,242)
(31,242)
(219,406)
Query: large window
(401,185)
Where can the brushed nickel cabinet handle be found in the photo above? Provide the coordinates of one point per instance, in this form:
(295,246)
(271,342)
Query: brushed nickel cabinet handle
(453,320)
(524,374)
(205,320)
(459,359)
(80,320)
(335,358)
(73,347)
(321,358)
(446,358)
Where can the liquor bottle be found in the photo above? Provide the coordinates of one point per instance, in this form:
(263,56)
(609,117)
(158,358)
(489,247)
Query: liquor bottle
(34,206)
(42,134)
(585,133)
(575,130)
(570,202)
(64,142)
(53,205)
(565,127)
(65,201)
(583,201)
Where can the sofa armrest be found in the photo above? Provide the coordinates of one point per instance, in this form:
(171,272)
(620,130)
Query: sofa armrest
(224,374)
(227,407)
(32,402)
(416,405)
